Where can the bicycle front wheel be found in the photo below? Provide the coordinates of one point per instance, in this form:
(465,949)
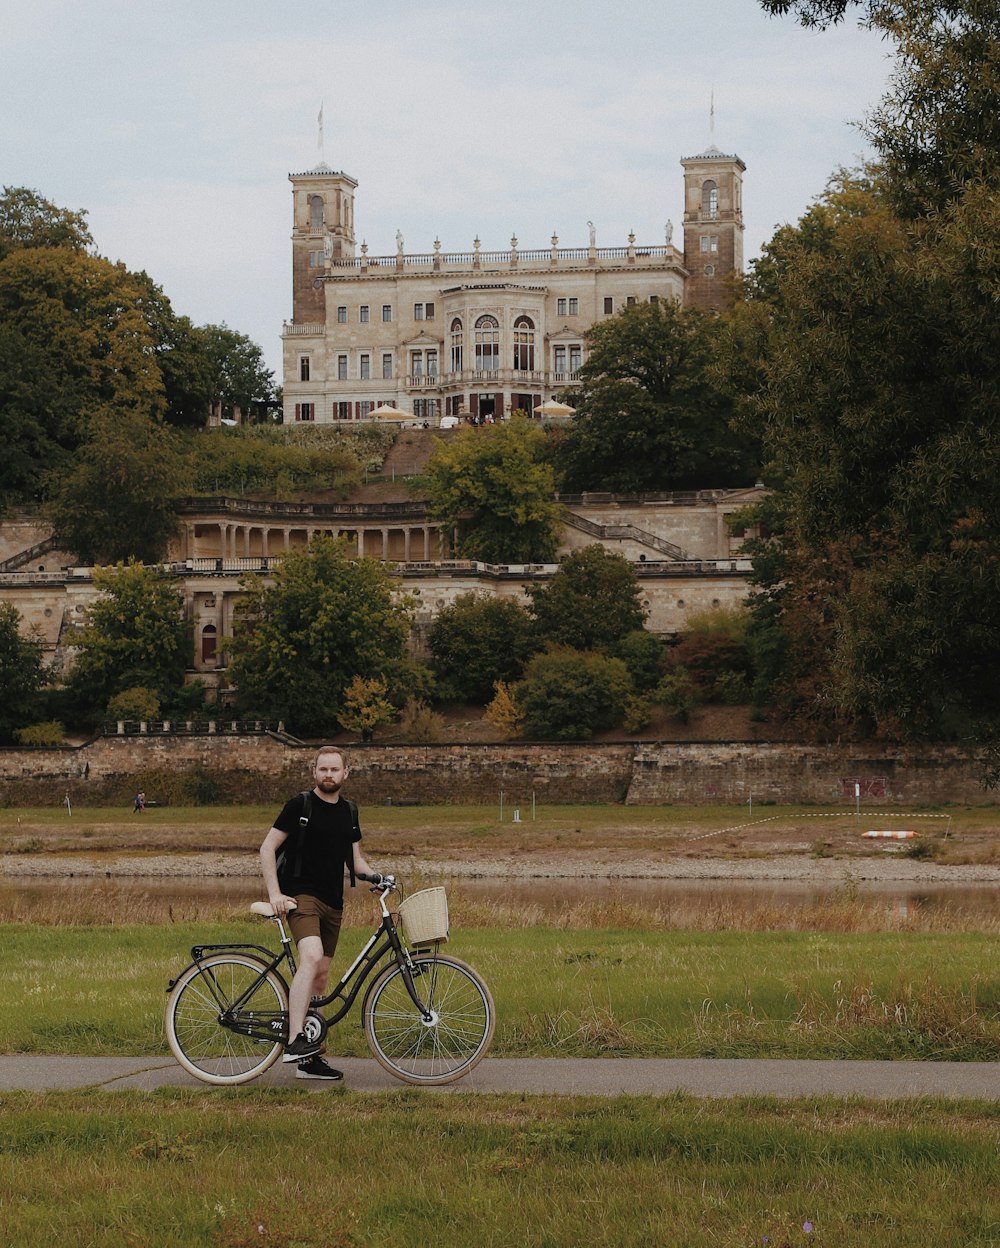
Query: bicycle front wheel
(442,1048)
(226,1018)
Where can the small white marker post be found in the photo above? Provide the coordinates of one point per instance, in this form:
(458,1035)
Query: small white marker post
(69,808)
(517,815)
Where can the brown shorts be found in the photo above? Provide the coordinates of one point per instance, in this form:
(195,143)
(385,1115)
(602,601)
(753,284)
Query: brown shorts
(312,917)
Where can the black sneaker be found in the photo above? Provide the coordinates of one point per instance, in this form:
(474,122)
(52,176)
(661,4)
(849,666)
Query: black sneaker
(300,1047)
(316,1068)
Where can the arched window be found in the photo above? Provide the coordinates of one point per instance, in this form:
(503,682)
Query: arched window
(317,213)
(456,345)
(709,200)
(524,344)
(488,344)
(209,643)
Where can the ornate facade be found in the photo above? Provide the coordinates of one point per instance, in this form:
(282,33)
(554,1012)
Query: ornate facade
(478,333)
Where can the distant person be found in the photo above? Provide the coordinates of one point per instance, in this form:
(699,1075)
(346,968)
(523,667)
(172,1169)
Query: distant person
(321,835)
(139,805)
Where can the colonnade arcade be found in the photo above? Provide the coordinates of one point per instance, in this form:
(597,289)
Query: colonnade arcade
(235,539)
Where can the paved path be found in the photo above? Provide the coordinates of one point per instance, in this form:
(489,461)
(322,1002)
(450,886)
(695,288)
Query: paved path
(567,1076)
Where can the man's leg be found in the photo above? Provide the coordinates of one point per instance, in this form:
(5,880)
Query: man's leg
(309,981)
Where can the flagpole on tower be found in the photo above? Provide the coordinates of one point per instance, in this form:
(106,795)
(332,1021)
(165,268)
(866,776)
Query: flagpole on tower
(319,137)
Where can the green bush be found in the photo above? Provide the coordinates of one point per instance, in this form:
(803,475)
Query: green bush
(52,732)
(137,703)
(568,695)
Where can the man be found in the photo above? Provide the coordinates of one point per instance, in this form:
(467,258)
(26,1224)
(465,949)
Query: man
(319,852)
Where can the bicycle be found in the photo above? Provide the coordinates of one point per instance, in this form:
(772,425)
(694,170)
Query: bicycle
(428,1017)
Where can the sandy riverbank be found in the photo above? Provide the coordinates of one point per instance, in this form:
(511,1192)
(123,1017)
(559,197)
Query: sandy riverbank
(887,866)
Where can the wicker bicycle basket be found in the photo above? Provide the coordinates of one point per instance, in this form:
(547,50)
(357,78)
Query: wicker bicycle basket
(424,916)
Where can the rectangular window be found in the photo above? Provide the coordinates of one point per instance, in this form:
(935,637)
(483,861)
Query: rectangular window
(304,411)
(366,368)
(416,363)
(387,365)
(574,307)
(630,301)
(559,359)
(575,353)
(386,311)
(713,242)
(342,315)
(418,311)
(315,259)
(432,363)
(341,367)
(364,314)
(365,409)
(560,307)
(343,411)
(304,368)
(429,311)
(654,298)
(609,305)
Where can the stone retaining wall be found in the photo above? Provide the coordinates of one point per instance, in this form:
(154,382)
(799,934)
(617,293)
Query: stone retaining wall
(266,768)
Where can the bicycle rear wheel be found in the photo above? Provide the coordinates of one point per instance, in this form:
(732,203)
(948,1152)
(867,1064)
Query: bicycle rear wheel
(204,995)
(447,1046)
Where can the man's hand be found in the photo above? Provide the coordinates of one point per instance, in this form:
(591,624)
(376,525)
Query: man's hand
(281,904)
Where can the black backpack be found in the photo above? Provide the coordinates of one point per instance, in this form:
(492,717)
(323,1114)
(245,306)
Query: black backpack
(288,859)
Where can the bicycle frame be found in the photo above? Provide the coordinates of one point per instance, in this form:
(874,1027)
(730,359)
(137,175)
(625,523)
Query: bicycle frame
(384,939)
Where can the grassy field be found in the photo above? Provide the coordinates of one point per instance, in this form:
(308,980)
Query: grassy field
(85,972)
(412,1169)
(101,990)
(949,834)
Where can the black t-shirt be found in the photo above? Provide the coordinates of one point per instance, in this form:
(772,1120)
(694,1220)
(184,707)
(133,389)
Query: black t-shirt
(327,846)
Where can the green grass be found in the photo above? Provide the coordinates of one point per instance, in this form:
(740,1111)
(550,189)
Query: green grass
(339,1170)
(101,990)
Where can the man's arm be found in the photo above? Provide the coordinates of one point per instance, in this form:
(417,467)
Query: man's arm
(280,902)
(361,867)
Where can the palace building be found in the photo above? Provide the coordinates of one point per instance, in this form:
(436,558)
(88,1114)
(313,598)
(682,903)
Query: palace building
(478,333)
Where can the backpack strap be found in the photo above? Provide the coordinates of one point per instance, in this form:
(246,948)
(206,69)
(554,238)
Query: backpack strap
(353,808)
(300,836)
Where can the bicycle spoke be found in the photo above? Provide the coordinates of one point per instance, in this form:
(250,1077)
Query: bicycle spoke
(455,1038)
(198,1037)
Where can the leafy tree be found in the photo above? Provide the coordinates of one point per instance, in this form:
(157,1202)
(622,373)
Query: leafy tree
(503,712)
(651,413)
(714,654)
(135,635)
(642,653)
(879,384)
(568,695)
(478,640)
(592,601)
(491,484)
(22,673)
(366,706)
(27,220)
(73,340)
(299,642)
(118,501)
(240,384)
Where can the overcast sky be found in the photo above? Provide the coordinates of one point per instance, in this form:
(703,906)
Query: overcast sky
(176,123)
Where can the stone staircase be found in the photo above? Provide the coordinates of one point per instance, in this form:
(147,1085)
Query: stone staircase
(625,532)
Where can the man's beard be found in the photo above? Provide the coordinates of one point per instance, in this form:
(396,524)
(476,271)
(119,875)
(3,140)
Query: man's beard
(330,786)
